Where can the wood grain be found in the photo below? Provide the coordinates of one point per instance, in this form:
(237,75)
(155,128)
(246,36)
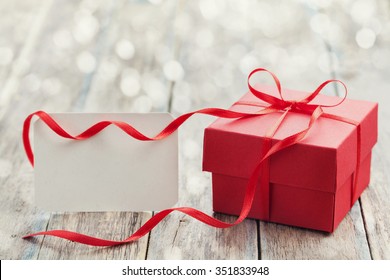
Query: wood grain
(106,93)
(16,206)
(108,225)
(349,243)
(283,242)
(365,71)
(177,237)
(179,234)
(369,84)
(118,56)
(58,79)
(376,206)
(287,243)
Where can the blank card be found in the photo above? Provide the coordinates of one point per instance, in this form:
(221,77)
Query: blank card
(110,171)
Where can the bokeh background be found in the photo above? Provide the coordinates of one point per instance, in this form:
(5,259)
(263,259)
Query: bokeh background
(178,56)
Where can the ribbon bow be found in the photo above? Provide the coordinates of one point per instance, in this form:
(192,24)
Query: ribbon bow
(302,105)
(261,169)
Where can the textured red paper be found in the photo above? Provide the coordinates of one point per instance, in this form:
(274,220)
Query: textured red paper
(310,182)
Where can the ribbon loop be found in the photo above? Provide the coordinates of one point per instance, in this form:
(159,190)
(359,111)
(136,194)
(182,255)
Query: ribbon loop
(267,97)
(311,96)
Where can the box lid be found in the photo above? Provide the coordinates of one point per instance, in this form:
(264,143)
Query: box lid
(323,160)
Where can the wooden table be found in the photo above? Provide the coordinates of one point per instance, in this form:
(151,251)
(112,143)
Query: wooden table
(177,56)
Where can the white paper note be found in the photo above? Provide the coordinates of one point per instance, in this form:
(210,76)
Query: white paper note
(110,171)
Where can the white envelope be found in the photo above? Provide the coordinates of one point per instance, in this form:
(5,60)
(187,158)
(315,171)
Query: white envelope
(110,171)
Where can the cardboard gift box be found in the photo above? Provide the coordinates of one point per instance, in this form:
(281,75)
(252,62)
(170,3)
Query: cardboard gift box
(311,184)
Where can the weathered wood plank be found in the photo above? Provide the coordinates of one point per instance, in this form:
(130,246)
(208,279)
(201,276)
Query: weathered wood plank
(50,82)
(362,56)
(180,236)
(227,66)
(82,60)
(202,53)
(108,225)
(375,203)
(20,24)
(126,80)
(370,84)
(347,242)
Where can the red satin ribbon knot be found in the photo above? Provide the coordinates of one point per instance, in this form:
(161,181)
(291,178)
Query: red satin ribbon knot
(262,168)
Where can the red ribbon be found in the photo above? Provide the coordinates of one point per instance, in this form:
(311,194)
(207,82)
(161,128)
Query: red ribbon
(261,169)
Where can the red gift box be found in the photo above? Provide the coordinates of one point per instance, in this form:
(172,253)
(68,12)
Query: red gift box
(311,184)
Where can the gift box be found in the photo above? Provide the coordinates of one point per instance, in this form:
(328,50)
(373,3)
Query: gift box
(311,184)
